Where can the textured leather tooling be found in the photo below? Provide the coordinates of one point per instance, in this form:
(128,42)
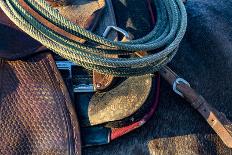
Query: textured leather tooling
(36,113)
(114,113)
(37,116)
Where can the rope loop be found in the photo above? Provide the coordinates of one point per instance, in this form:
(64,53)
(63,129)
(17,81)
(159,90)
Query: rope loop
(164,39)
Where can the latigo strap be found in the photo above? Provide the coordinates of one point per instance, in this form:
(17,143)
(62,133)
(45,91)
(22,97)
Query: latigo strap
(217,120)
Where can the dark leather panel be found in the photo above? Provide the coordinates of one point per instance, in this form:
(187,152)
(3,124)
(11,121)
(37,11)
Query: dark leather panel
(85,13)
(16,44)
(36,115)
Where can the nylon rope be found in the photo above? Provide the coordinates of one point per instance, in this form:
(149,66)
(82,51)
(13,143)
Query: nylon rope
(162,42)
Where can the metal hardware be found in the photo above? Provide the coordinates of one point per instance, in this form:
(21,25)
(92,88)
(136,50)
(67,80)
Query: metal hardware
(77,88)
(68,65)
(118,29)
(178,81)
(65,65)
(84,88)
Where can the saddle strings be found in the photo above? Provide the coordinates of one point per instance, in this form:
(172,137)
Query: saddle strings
(162,42)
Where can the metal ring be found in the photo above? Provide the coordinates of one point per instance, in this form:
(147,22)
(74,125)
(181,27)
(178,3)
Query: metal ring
(118,29)
(178,81)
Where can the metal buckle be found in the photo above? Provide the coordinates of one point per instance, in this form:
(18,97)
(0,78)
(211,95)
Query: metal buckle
(84,88)
(178,81)
(77,88)
(118,29)
(68,66)
(65,65)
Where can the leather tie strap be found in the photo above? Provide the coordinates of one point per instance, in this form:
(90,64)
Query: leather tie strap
(217,120)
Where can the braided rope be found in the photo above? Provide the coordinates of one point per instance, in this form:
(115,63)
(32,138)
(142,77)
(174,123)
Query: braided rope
(166,35)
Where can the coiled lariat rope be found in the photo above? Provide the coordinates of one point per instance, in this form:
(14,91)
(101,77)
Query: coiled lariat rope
(162,42)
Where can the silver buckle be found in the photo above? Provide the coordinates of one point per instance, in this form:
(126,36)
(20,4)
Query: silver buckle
(79,88)
(178,81)
(84,88)
(68,65)
(65,65)
(118,29)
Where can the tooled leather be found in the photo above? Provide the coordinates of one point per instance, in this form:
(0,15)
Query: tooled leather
(36,115)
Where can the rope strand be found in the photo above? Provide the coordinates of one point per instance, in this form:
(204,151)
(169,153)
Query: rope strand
(166,35)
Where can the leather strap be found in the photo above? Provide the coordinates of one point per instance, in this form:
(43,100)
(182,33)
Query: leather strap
(80,16)
(102,82)
(215,119)
(75,12)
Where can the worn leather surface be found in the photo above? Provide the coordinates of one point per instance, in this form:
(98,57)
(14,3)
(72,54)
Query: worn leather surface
(125,96)
(12,39)
(36,113)
(135,102)
(121,101)
(57,3)
(37,116)
(84,13)
(37,140)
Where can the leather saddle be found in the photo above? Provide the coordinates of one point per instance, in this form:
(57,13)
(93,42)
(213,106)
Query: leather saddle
(52,106)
